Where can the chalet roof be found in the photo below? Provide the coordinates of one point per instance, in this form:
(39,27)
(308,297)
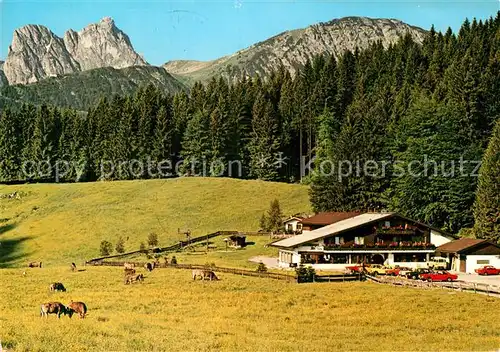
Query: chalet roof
(292,218)
(328,218)
(462,245)
(332,229)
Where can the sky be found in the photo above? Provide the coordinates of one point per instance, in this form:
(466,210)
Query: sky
(164,30)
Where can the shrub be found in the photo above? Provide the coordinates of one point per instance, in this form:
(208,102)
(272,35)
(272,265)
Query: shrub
(120,246)
(106,248)
(262,268)
(153,239)
(305,274)
(174,260)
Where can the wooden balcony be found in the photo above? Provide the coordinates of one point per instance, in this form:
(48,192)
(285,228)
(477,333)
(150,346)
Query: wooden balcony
(381,246)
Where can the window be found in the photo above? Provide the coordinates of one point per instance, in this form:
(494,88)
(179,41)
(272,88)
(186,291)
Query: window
(337,240)
(299,226)
(483,261)
(359,240)
(409,257)
(387,224)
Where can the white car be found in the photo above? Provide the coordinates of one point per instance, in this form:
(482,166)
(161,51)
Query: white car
(438,263)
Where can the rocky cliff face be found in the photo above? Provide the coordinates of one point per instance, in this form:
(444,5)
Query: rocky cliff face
(293,48)
(37,53)
(3,79)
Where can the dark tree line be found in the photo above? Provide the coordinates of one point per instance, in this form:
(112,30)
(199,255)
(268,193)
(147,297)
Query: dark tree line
(436,101)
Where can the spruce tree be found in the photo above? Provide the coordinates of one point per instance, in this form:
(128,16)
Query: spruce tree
(487,205)
(264,144)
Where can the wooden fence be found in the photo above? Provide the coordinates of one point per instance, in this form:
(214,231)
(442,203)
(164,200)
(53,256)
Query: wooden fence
(489,290)
(340,277)
(243,272)
(172,248)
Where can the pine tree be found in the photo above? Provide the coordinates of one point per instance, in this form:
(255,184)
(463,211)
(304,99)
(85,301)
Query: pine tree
(196,145)
(429,183)
(487,205)
(274,217)
(162,142)
(264,143)
(10,146)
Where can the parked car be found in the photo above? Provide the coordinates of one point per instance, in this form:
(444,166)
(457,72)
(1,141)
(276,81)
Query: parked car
(376,269)
(393,271)
(414,274)
(358,268)
(488,270)
(438,276)
(403,271)
(438,263)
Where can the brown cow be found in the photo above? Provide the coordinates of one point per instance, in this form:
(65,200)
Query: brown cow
(133,278)
(203,274)
(35,265)
(77,307)
(57,286)
(53,308)
(129,272)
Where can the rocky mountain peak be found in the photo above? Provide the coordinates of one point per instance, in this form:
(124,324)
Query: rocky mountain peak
(293,48)
(37,53)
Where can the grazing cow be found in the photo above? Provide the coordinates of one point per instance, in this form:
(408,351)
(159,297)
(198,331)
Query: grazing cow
(35,265)
(73,267)
(53,308)
(129,272)
(57,286)
(203,274)
(77,307)
(148,267)
(133,278)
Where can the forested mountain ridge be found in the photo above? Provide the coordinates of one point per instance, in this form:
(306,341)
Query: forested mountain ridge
(82,90)
(401,106)
(292,49)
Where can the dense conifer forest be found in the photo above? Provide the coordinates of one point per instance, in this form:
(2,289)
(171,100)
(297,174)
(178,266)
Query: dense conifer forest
(416,118)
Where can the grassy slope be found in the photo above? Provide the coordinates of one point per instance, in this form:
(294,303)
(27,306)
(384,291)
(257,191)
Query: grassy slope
(171,312)
(64,223)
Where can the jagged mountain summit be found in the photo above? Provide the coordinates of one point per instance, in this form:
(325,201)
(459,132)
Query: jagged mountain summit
(293,48)
(37,53)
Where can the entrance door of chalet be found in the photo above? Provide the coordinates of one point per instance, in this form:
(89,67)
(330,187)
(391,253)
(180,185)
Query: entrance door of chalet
(463,263)
(377,259)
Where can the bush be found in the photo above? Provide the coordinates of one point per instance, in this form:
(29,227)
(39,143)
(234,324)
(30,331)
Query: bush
(106,248)
(262,268)
(120,246)
(153,239)
(305,274)
(174,260)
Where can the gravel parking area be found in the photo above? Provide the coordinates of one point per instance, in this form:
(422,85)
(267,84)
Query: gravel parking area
(479,279)
(271,263)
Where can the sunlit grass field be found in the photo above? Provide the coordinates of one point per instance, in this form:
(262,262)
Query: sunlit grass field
(171,312)
(64,223)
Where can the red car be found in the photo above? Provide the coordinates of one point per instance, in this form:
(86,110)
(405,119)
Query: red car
(438,276)
(488,270)
(393,271)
